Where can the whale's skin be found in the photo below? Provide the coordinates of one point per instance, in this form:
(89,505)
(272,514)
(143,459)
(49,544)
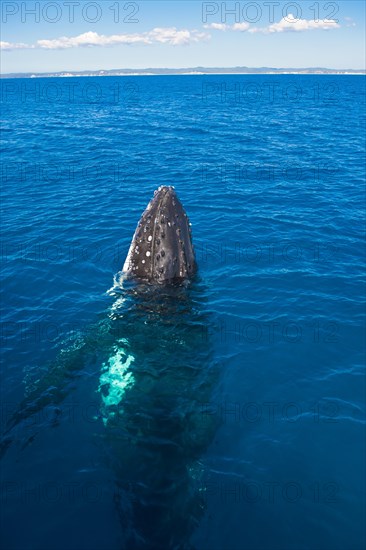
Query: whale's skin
(161,250)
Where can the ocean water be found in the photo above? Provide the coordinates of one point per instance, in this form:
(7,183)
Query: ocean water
(222,416)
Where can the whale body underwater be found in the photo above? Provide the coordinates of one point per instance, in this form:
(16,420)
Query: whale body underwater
(155,376)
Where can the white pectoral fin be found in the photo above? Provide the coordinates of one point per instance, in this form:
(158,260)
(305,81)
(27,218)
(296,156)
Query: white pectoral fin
(115,379)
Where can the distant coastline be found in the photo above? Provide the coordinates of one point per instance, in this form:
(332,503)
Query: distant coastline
(189,71)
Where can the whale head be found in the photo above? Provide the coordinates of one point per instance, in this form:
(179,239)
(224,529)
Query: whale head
(161,250)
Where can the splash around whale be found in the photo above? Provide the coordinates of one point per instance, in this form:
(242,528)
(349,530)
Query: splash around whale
(161,250)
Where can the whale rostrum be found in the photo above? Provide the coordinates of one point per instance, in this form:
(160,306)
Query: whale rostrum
(161,249)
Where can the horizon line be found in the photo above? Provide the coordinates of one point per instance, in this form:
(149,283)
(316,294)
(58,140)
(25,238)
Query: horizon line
(198,69)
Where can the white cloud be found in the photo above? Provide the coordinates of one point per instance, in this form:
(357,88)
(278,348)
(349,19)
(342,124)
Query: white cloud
(175,37)
(217,26)
(242,27)
(11,46)
(171,36)
(291,24)
(90,39)
(288,23)
(224,27)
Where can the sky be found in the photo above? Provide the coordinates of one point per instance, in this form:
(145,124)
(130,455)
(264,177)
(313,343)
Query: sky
(74,35)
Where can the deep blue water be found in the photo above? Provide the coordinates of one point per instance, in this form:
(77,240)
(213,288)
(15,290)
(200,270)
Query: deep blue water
(246,414)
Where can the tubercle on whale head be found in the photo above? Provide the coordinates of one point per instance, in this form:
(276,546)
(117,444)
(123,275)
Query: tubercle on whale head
(161,249)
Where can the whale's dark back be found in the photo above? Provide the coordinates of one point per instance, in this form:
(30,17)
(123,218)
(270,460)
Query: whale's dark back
(161,249)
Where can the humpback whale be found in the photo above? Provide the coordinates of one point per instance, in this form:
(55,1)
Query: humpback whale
(161,250)
(150,367)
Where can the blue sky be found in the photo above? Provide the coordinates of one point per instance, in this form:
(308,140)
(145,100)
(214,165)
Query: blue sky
(107,34)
